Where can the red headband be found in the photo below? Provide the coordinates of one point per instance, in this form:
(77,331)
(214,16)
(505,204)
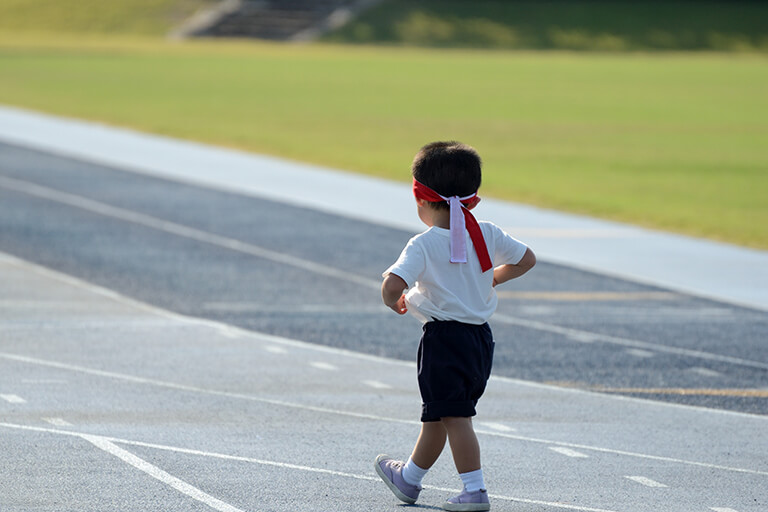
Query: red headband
(459,222)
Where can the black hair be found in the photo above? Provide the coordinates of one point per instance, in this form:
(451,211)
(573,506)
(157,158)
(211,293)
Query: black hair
(449,168)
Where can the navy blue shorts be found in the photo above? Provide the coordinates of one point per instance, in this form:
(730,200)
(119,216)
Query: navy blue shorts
(454,364)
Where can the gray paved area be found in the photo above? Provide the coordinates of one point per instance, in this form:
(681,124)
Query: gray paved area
(304,274)
(169,346)
(112,405)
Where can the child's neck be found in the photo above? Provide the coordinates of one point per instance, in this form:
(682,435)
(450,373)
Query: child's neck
(441,219)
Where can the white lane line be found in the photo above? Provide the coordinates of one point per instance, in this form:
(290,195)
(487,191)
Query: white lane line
(706,372)
(645,481)
(579,335)
(568,452)
(376,384)
(500,427)
(107,210)
(13,399)
(284,465)
(722,509)
(194,389)
(352,414)
(347,475)
(637,352)
(230,333)
(323,366)
(572,334)
(275,349)
(58,422)
(624,453)
(582,337)
(158,474)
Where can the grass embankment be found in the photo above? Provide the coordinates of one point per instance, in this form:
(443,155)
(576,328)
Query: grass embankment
(602,25)
(676,142)
(135,17)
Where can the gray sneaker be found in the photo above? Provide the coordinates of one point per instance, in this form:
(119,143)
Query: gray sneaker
(391,471)
(469,501)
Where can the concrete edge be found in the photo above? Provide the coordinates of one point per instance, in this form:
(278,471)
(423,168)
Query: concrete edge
(699,267)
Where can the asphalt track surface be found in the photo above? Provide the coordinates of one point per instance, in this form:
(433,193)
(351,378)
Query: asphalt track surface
(239,416)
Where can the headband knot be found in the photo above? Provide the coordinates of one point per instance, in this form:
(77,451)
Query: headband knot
(461,220)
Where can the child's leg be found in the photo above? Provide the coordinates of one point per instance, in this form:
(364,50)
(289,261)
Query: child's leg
(464,444)
(466,455)
(428,448)
(430,444)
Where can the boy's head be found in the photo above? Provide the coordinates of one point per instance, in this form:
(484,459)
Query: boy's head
(449,168)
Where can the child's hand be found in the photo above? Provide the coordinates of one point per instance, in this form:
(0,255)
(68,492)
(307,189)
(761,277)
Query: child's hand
(399,307)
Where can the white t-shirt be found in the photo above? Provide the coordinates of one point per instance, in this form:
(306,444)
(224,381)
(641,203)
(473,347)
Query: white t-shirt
(441,290)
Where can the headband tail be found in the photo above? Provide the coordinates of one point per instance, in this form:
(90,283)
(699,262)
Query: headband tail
(476,235)
(458,226)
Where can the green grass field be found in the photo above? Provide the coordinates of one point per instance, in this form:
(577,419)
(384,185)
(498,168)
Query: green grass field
(147,17)
(673,141)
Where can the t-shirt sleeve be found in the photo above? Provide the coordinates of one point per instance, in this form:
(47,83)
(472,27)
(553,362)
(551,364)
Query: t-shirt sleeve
(508,250)
(410,265)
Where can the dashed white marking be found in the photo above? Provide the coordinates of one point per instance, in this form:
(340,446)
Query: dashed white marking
(352,414)
(646,481)
(587,336)
(59,422)
(581,337)
(108,444)
(722,509)
(350,475)
(706,372)
(323,366)
(13,399)
(376,384)
(538,310)
(568,452)
(640,352)
(158,474)
(500,427)
(573,334)
(275,349)
(229,332)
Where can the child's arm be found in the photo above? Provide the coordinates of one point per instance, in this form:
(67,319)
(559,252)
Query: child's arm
(392,293)
(504,273)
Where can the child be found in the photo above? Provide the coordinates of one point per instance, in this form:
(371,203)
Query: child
(450,289)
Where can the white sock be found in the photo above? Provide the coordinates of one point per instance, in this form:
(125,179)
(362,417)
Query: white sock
(412,473)
(473,481)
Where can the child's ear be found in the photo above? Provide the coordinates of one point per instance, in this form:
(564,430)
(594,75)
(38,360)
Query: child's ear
(421,202)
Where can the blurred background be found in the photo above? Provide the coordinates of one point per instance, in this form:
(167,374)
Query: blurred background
(652,112)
